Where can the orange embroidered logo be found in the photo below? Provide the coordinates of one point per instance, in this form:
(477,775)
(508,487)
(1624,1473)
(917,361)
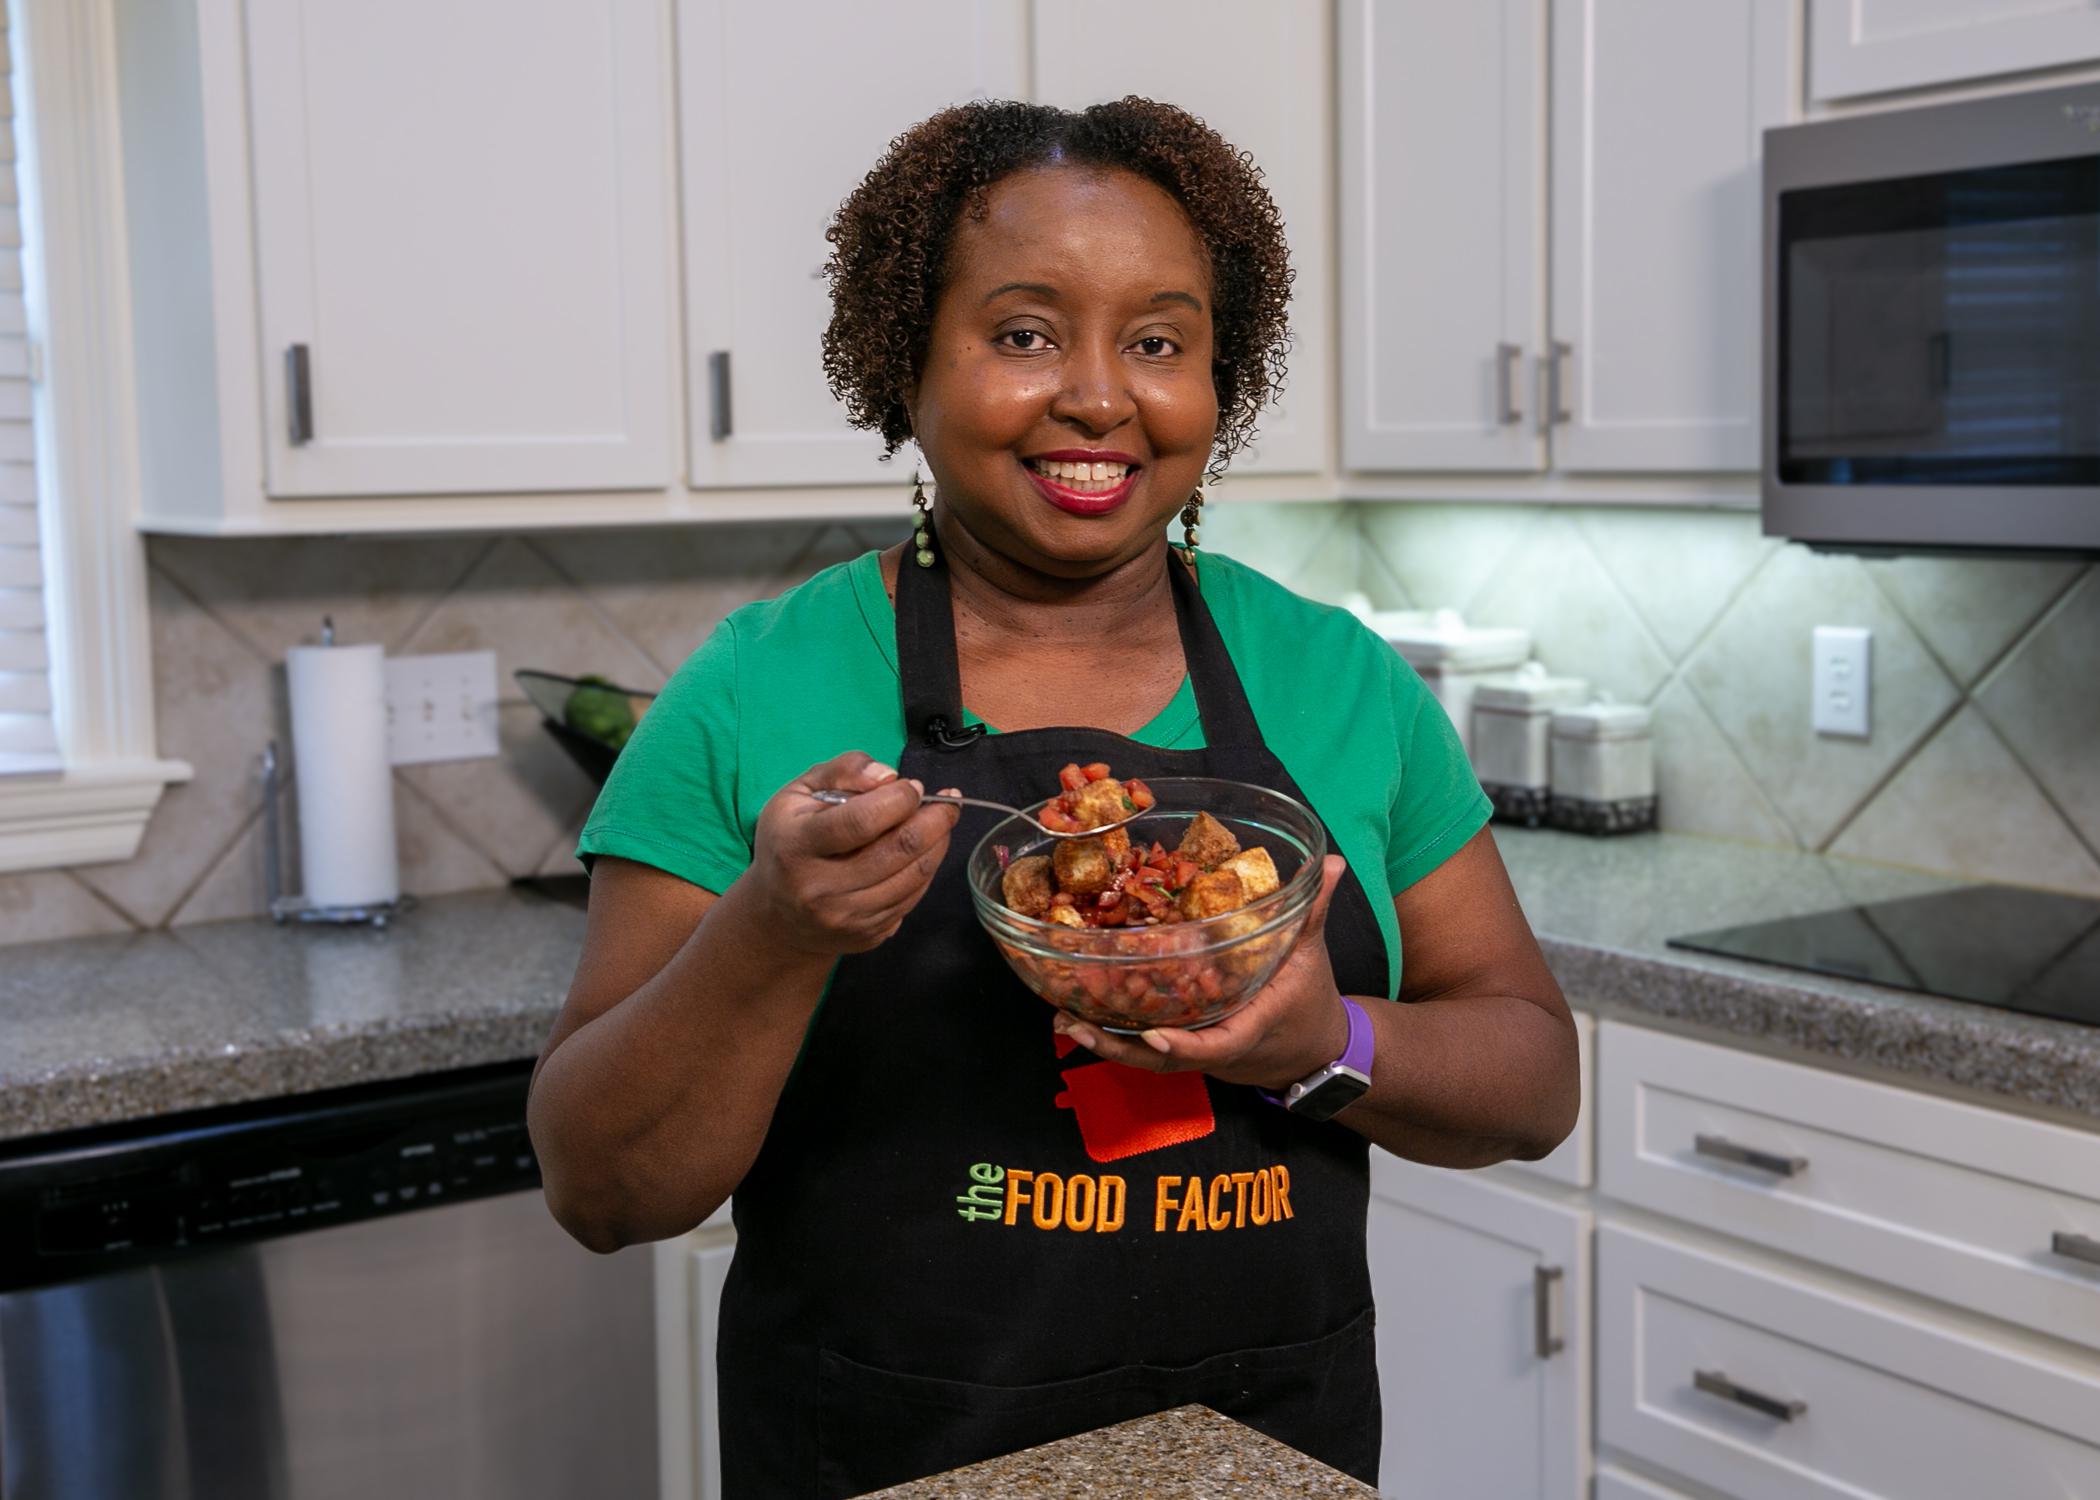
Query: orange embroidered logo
(1124,1111)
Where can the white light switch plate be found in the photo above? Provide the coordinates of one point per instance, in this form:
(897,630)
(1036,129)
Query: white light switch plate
(440,707)
(1842,681)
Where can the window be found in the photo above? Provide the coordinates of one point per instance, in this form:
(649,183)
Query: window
(84,712)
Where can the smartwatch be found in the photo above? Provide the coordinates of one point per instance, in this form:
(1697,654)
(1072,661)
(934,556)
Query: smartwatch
(1324,1094)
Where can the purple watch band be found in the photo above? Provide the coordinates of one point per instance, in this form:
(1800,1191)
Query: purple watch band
(1363,1039)
(1356,1055)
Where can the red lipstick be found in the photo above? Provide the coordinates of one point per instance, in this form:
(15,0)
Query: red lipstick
(1083,502)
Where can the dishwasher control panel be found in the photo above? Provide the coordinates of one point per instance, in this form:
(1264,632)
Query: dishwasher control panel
(106,1199)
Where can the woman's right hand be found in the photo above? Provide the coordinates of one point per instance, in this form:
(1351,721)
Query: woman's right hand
(842,878)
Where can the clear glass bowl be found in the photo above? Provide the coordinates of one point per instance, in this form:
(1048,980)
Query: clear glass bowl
(1188,974)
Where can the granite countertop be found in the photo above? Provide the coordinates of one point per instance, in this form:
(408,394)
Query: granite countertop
(1189,1453)
(94,1030)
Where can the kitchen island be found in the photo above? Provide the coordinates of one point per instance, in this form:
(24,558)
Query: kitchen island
(1189,1453)
(95,1030)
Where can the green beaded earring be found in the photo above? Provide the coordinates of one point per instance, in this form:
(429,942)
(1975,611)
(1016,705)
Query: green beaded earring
(923,536)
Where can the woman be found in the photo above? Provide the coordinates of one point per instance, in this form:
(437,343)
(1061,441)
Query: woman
(793,1002)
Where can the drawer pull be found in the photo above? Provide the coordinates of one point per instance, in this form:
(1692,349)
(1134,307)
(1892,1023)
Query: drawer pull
(1714,1383)
(1547,1339)
(1506,357)
(1720,1148)
(2075,1247)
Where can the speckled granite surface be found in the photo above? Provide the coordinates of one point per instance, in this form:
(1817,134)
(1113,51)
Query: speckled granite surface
(103,1029)
(1189,1453)
(1603,908)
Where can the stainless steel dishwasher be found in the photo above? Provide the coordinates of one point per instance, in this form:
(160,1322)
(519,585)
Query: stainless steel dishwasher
(353,1294)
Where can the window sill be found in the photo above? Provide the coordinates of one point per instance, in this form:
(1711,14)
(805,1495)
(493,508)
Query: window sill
(86,815)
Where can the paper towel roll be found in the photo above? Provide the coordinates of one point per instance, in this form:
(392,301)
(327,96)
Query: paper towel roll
(346,788)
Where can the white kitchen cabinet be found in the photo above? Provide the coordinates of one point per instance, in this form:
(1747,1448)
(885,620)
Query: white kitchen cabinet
(1443,229)
(782,110)
(690,1272)
(1659,114)
(460,217)
(1873,46)
(1255,70)
(1769,1384)
(1483,1336)
(1644,357)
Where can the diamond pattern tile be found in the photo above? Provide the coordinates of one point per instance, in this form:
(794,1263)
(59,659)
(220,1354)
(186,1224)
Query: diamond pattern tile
(1581,626)
(1752,675)
(1678,568)
(1278,538)
(1443,555)
(2045,700)
(1963,803)
(39,905)
(216,703)
(1701,781)
(515,604)
(273,591)
(1969,609)
(666,588)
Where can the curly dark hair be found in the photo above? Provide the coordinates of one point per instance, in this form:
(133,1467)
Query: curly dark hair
(890,243)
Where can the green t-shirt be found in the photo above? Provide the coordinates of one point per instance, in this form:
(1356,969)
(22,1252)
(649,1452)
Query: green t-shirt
(786,683)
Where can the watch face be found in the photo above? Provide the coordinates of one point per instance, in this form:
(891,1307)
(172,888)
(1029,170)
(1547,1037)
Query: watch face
(1340,1088)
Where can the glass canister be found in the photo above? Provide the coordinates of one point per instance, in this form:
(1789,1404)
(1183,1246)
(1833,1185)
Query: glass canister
(1603,772)
(1452,656)
(1512,729)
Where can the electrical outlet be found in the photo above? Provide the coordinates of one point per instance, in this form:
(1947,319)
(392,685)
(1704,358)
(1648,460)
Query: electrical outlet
(1842,681)
(440,707)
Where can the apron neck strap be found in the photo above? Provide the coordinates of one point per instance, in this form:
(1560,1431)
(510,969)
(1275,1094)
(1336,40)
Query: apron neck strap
(931,677)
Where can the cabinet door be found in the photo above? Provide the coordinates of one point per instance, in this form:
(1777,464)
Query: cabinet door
(1442,225)
(689,1277)
(1483,1336)
(1872,46)
(782,110)
(1256,70)
(1659,110)
(463,229)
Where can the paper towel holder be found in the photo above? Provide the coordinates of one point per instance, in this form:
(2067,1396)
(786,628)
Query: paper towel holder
(291,908)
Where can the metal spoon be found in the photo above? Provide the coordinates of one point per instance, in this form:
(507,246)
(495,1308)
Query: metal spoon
(835,798)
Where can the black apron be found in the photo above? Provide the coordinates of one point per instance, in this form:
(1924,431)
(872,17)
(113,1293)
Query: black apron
(964,1235)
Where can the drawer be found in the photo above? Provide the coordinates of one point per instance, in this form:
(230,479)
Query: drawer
(1985,1210)
(1769,1385)
(1572,1160)
(1619,1484)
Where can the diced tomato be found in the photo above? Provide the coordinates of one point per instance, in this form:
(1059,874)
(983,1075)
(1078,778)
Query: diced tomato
(1185,870)
(1057,820)
(1139,793)
(1071,778)
(1004,854)
(1097,771)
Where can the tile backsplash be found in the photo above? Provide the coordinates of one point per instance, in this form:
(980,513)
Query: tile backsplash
(1986,707)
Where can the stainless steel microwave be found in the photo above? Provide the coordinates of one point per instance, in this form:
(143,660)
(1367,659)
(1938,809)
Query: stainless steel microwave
(1932,326)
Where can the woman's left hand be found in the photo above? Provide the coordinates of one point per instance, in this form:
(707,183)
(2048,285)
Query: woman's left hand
(1294,1026)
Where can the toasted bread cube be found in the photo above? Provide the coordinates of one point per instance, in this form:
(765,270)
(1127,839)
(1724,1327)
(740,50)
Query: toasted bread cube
(1067,916)
(1208,842)
(1256,870)
(1212,894)
(1099,803)
(1085,867)
(1026,885)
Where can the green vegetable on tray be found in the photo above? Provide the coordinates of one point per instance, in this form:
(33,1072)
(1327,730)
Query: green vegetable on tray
(606,713)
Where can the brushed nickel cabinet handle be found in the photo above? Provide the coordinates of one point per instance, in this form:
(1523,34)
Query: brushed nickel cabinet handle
(718,421)
(298,396)
(1506,357)
(1720,1148)
(1555,362)
(1714,1383)
(2075,1247)
(1546,1336)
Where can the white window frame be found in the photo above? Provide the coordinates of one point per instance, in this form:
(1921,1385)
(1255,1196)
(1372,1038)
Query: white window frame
(94,808)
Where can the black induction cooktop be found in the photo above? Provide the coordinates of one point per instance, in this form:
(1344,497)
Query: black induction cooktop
(2019,950)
